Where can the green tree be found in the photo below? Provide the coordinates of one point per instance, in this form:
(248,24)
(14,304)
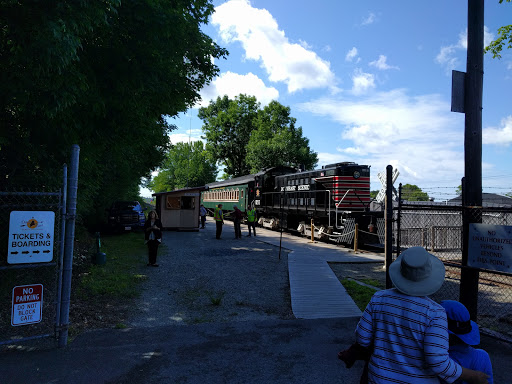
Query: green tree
(504,37)
(101,75)
(186,164)
(227,127)
(373,194)
(412,192)
(458,191)
(277,141)
(509,194)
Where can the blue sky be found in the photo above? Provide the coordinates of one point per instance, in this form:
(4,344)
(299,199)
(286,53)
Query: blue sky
(369,82)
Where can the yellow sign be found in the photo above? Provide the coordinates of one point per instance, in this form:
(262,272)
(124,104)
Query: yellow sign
(32,223)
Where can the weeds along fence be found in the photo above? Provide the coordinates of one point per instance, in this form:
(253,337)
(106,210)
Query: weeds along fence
(438,228)
(14,327)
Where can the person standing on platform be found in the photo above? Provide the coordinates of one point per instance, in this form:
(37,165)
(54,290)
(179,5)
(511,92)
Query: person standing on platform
(251,220)
(237,221)
(202,213)
(152,236)
(219,221)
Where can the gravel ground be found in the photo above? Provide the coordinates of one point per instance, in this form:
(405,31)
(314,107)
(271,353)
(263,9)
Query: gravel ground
(201,279)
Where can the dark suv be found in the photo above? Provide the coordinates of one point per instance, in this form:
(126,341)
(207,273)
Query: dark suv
(126,215)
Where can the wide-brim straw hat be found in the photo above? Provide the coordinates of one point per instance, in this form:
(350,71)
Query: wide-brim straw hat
(417,273)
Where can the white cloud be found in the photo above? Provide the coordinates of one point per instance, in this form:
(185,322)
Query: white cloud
(351,55)
(381,63)
(396,127)
(499,136)
(263,41)
(362,82)
(233,84)
(185,136)
(447,56)
(370,19)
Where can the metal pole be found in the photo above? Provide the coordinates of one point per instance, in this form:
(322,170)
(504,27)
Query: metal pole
(388,246)
(356,234)
(472,147)
(62,242)
(399,221)
(68,251)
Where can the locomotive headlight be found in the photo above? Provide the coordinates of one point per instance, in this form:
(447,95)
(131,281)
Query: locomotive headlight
(356,175)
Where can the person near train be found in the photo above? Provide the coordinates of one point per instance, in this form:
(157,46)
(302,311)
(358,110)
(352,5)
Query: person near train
(152,237)
(219,221)
(237,221)
(464,334)
(251,220)
(202,213)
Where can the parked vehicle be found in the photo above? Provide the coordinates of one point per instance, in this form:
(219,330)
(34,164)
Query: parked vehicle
(126,216)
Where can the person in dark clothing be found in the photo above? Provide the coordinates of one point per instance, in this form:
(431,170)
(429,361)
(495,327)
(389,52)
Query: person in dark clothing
(237,220)
(153,237)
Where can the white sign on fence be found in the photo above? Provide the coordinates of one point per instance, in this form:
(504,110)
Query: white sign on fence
(490,247)
(27,304)
(31,237)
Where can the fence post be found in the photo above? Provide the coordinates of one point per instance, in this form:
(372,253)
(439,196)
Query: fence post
(68,250)
(62,243)
(399,221)
(356,233)
(432,239)
(388,246)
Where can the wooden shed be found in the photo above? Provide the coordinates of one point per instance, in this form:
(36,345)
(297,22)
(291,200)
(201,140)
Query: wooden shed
(179,209)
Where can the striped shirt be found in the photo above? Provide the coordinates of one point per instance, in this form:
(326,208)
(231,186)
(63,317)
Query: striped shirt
(410,339)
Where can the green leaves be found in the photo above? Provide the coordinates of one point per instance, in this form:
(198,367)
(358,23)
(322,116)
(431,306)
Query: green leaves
(504,37)
(101,75)
(186,165)
(413,193)
(245,138)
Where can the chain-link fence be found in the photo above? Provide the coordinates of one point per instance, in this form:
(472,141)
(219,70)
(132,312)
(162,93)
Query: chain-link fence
(439,229)
(28,321)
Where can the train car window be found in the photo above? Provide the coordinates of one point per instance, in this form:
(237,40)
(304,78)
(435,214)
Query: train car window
(330,172)
(188,202)
(301,181)
(301,201)
(241,194)
(312,201)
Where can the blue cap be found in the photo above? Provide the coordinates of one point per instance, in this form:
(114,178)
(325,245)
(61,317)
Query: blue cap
(459,322)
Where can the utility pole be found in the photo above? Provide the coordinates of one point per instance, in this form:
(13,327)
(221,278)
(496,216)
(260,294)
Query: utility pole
(472,193)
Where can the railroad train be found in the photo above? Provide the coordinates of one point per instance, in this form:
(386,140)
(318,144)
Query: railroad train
(289,198)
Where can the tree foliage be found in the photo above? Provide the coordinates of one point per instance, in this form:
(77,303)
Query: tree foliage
(504,37)
(412,192)
(276,141)
(246,138)
(227,126)
(186,165)
(100,74)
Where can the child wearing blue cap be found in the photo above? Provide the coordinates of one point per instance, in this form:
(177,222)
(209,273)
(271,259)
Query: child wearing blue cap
(463,334)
